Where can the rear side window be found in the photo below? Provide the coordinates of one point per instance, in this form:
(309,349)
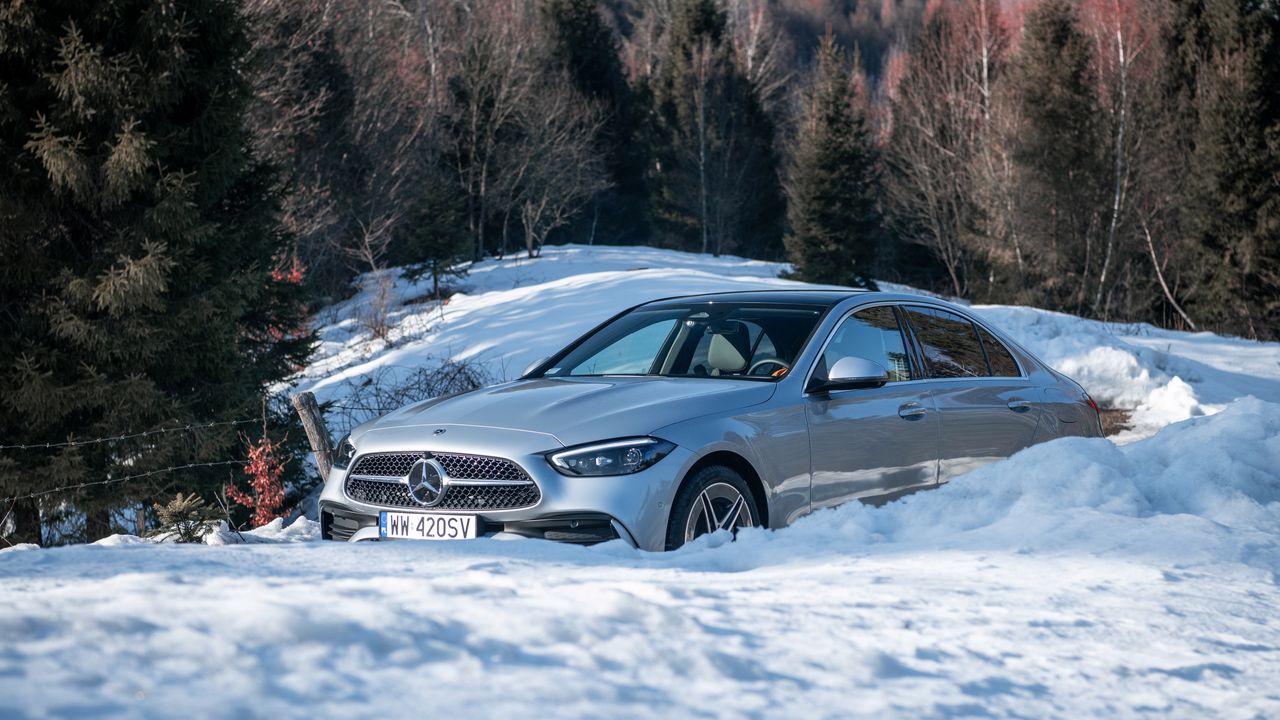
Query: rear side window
(950,345)
(1001,360)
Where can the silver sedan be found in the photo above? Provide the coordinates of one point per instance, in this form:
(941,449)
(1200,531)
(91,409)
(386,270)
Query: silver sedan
(698,414)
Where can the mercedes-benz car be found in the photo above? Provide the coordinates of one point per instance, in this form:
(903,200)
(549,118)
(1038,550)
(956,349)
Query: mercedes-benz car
(692,415)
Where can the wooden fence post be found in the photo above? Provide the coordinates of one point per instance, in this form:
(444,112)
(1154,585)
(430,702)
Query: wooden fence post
(317,433)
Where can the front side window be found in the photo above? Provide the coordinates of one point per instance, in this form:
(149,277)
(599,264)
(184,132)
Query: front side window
(631,354)
(949,343)
(872,334)
(698,339)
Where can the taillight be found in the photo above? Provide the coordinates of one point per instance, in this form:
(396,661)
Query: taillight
(1092,404)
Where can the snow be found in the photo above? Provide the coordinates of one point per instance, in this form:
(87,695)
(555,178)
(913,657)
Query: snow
(1078,578)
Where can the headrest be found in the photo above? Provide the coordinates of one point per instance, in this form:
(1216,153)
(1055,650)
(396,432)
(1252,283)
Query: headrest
(723,354)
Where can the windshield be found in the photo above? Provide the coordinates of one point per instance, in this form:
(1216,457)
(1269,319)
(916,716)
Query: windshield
(757,341)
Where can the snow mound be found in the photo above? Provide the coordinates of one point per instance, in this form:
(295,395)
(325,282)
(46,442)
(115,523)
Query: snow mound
(276,531)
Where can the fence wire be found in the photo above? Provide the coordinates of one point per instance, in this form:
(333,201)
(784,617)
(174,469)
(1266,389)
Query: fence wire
(130,436)
(126,478)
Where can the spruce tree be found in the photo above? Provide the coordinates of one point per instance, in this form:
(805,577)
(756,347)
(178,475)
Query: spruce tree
(435,240)
(1059,149)
(584,44)
(1232,193)
(833,206)
(138,237)
(714,183)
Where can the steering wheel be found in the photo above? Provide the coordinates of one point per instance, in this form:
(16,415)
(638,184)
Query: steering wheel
(768,361)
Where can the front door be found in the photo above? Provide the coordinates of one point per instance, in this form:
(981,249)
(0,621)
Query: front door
(876,441)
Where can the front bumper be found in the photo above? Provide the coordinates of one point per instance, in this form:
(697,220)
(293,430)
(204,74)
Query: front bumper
(585,510)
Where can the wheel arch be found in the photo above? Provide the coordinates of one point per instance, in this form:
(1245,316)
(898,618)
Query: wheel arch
(743,467)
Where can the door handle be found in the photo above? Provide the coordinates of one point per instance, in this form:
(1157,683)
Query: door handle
(1020,405)
(911,411)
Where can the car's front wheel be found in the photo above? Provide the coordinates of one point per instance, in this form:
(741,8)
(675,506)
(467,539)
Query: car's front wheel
(715,498)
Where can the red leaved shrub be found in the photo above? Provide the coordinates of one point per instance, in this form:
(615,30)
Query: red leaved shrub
(266,465)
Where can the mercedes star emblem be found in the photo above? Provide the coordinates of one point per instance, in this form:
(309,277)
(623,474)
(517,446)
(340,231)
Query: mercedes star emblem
(426,482)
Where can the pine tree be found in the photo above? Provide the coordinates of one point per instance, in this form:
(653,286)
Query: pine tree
(1233,187)
(1059,150)
(714,184)
(137,237)
(584,44)
(833,198)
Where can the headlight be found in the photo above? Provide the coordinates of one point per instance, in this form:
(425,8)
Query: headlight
(344,454)
(615,457)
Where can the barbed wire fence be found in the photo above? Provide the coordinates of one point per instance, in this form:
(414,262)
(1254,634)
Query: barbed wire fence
(10,503)
(130,436)
(373,395)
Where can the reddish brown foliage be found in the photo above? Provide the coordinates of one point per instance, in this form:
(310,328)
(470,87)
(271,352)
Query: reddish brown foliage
(266,465)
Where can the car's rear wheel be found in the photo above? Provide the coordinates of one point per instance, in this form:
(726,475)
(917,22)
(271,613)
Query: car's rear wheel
(715,498)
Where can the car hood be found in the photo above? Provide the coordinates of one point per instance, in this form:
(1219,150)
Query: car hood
(575,410)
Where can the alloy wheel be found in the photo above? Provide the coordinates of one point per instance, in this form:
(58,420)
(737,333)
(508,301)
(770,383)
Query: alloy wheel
(720,506)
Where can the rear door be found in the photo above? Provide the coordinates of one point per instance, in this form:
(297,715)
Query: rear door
(872,441)
(987,406)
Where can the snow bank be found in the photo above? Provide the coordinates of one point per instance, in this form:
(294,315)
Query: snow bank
(276,531)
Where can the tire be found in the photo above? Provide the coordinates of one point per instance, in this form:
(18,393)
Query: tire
(722,487)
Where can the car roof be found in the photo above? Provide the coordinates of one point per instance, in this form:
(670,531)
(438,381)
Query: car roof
(823,298)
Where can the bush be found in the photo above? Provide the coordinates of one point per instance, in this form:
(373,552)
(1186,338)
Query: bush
(185,519)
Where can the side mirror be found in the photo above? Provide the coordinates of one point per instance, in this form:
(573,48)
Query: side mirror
(850,373)
(534,365)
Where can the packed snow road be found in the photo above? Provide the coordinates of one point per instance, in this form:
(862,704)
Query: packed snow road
(1076,579)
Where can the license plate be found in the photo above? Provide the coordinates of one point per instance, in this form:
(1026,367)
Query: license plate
(427,526)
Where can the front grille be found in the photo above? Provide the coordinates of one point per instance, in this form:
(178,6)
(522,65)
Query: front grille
(456,497)
(394,465)
(459,467)
(480,467)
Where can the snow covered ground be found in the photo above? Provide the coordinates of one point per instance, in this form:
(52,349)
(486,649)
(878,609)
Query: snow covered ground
(1079,578)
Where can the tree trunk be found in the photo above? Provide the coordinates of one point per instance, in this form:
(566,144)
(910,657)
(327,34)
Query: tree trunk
(25,515)
(1117,194)
(506,232)
(97,524)
(1155,263)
